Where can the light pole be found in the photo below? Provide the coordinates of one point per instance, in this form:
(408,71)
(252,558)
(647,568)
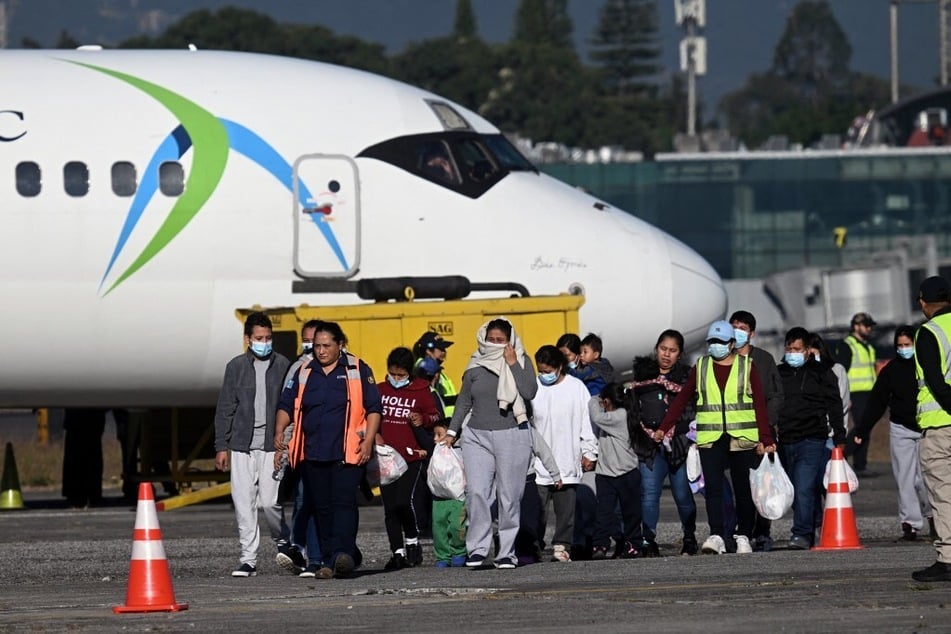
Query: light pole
(944,46)
(691,15)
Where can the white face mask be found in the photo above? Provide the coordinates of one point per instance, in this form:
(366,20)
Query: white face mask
(308,348)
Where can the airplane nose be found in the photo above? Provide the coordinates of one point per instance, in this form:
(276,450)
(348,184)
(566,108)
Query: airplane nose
(699,297)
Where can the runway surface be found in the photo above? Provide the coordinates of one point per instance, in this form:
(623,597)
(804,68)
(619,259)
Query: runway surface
(63,569)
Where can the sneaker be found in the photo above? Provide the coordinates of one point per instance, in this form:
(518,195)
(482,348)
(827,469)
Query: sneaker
(560,553)
(414,554)
(629,551)
(310,571)
(908,532)
(690,546)
(457,561)
(762,544)
(343,565)
(743,546)
(797,542)
(713,545)
(599,552)
(291,559)
(324,573)
(245,570)
(475,561)
(396,562)
(649,548)
(508,563)
(442,563)
(938,571)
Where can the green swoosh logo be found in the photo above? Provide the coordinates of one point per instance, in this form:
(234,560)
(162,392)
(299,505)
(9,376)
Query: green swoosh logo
(210,146)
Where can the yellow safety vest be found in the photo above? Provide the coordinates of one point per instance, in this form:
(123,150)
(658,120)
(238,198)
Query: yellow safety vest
(862,369)
(929,412)
(448,393)
(729,411)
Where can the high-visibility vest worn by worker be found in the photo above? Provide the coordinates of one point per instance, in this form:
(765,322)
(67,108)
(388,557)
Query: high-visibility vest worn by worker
(355,419)
(929,412)
(862,369)
(448,393)
(729,411)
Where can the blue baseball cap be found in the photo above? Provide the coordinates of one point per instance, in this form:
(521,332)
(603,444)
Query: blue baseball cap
(720,331)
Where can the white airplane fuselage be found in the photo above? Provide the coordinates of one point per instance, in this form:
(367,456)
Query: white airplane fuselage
(128,299)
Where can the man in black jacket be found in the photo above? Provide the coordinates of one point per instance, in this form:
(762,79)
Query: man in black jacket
(811,404)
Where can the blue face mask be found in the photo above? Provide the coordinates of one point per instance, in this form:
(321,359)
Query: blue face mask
(261,349)
(817,357)
(795,359)
(906,353)
(308,348)
(741,337)
(397,384)
(548,378)
(718,351)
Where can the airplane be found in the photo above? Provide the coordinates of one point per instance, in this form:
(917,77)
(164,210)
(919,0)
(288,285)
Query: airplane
(148,194)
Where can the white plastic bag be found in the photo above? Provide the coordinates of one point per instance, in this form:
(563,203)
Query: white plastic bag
(850,476)
(772,490)
(391,464)
(694,470)
(447,478)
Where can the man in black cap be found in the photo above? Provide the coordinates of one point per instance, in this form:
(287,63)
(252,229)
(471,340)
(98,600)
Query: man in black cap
(434,346)
(932,366)
(857,356)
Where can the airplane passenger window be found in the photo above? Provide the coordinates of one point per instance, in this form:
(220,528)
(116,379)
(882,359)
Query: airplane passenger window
(28,179)
(76,178)
(123,178)
(171,178)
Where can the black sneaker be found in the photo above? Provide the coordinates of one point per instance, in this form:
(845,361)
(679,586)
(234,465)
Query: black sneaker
(649,548)
(762,544)
(689,547)
(599,552)
(414,554)
(938,571)
(506,563)
(396,562)
(343,565)
(310,571)
(245,570)
(290,558)
(908,532)
(629,551)
(475,561)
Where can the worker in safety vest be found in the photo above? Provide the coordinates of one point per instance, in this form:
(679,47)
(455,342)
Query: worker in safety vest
(732,429)
(933,371)
(433,346)
(857,356)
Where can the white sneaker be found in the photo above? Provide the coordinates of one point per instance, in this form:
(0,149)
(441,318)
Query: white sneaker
(560,553)
(713,546)
(743,545)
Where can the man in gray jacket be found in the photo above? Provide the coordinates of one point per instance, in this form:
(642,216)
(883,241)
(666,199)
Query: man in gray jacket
(244,438)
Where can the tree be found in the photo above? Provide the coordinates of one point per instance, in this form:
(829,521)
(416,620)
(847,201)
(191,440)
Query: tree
(543,22)
(464,26)
(625,46)
(813,52)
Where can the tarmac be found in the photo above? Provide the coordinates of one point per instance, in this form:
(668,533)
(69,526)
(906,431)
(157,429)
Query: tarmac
(63,570)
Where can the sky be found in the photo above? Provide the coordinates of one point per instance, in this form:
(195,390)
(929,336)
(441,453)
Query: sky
(741,34)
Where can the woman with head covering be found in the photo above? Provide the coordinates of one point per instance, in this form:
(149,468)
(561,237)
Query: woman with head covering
(496,387)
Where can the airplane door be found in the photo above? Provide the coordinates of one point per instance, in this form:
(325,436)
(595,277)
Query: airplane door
(326,216)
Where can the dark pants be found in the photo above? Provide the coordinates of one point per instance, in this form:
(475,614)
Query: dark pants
(528,542)
(859,453)
(303,522)
(805,462)
(563,500)
(626,491)
(332,489)
(82,456)
(715,460)
(399,508)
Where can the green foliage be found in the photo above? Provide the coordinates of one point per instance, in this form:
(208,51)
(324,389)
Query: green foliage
(543,23)
(625,45)
(464,26)
(458,68)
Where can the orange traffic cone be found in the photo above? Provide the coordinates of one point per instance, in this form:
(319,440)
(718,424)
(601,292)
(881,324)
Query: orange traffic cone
(150,585)
(839,531)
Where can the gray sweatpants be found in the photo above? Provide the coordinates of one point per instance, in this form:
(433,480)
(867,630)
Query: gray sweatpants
(913,505)
(252,487)
(495,462)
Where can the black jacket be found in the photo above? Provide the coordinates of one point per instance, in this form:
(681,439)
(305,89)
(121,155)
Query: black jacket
(650,400)
(811,403)
(896,388)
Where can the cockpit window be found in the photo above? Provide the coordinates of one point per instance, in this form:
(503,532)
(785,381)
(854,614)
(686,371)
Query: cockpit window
(466,162)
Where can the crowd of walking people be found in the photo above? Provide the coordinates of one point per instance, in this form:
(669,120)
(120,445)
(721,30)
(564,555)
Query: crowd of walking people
(557,427)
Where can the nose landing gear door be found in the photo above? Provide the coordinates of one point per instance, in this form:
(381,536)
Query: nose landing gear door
(326,216)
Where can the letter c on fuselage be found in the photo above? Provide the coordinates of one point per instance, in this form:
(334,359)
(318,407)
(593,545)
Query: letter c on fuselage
(7,129)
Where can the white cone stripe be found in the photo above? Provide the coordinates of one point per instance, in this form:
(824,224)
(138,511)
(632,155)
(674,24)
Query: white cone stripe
(838,500)
(148,550)
(146,516)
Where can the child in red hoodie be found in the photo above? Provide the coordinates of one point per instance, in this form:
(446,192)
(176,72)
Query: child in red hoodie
(408,409)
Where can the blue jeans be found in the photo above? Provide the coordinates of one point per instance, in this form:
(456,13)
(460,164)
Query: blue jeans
(652,485)
(804,461)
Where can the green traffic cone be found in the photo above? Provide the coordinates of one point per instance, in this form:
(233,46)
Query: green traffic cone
(10,497)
